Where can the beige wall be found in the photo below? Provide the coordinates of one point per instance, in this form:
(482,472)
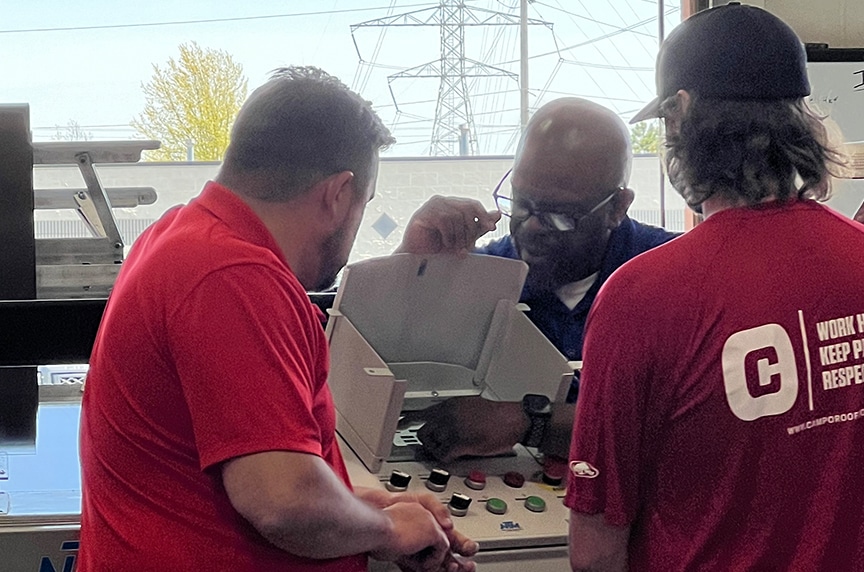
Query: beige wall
(838,23)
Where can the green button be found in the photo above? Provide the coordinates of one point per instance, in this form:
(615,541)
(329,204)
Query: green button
(496,506)
(535,504)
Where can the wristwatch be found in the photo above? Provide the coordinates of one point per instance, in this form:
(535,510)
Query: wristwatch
(538,408)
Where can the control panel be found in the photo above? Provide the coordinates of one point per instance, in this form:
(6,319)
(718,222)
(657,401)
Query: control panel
(505,502)
(397,345)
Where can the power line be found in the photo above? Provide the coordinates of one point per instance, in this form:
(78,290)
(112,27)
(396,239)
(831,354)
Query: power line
(606,66)
(595,96)
(618,49)
(114,126)
(207,21)
(363,79)
(590,19)
(594,40)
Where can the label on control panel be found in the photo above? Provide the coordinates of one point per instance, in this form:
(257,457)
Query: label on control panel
(510,526)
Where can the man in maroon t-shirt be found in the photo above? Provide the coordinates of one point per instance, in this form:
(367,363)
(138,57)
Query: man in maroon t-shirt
(208,429)
(720,423)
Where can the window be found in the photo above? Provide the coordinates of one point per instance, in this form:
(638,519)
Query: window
(92,65)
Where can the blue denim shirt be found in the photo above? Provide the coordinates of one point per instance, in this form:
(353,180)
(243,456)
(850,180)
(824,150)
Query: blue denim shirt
(565,327)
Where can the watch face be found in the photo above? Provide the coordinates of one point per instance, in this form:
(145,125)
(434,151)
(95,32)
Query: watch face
(537,404)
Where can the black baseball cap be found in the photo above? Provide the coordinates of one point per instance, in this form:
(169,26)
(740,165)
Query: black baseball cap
(730,52)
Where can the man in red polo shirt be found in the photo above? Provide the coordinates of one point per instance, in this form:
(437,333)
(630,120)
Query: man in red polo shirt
(207,435)
(720,423)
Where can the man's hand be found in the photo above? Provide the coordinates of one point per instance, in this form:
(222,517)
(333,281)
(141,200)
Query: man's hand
(452,563)
(859,216)
(461,546)
(470,426)
(447,225)
(415,538)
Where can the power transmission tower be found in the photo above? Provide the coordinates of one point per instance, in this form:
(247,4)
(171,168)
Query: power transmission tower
(454,120)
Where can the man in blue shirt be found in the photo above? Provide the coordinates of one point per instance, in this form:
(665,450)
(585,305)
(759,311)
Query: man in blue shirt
(563,320)
(567,200)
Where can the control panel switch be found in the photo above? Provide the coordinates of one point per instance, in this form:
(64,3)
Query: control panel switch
(459,504)
(535,504)
(476,480)
(398,482)
(514,480)
(437,480)
(496,506)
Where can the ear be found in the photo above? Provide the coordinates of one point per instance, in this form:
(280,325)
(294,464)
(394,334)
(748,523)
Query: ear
(620,203)
(336,195)
(673,114)
(682,99)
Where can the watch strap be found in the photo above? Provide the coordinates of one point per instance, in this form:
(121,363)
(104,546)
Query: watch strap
(537,428)
(536,432)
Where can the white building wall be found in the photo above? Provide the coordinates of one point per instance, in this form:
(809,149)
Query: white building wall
(403,185)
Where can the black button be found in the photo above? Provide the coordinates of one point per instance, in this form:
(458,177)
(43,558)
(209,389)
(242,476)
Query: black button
(439,477)
(437,480)
(398,481)
(460,501)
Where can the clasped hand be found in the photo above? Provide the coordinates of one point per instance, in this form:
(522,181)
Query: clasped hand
(425,539)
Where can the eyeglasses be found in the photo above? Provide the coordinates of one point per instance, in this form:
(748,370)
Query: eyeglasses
(522,209)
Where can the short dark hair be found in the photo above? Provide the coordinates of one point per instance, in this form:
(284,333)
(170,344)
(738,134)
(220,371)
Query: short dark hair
(749,151)
(300,127)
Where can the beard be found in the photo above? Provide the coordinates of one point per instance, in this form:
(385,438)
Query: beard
(548,276)
(332,260)
(555,259)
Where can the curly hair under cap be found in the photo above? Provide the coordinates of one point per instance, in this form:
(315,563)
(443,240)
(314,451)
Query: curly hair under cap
(300,127)
(749,151)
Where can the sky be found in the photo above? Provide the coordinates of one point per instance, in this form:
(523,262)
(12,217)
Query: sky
(86,61)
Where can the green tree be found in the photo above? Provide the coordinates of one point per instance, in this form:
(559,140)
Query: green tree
(645,137)
(191,103)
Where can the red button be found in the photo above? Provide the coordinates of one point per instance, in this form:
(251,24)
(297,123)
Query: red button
(514,479)
(554,470)
(476,480)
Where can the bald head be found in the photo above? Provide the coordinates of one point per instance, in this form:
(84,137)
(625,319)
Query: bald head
(573,158)
(572,143)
